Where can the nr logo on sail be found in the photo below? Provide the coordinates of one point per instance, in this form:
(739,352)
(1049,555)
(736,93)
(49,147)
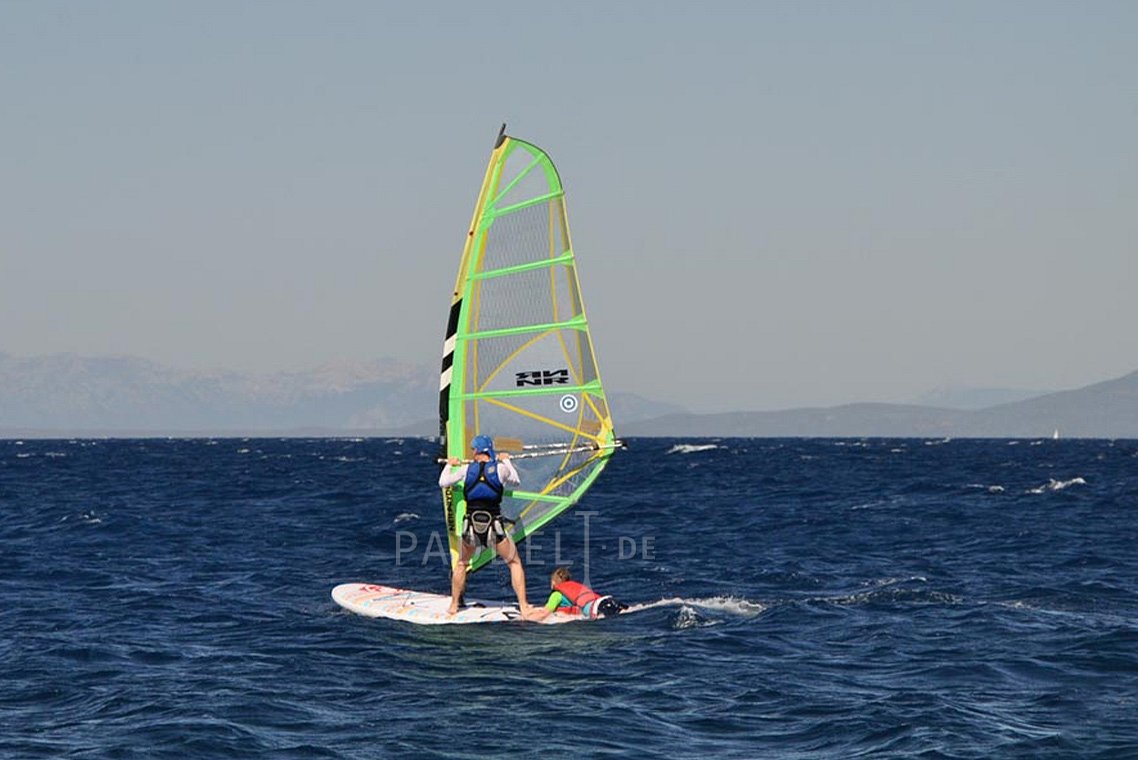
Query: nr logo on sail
(543,377)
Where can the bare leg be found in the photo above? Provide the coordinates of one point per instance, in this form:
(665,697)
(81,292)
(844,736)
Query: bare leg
(458,577)
(509,552)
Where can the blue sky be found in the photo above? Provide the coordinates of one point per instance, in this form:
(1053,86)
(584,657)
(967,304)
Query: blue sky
(773,204)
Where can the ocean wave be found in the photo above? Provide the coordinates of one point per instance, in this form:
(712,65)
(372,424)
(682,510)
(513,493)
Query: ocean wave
(1058,485)
(691,448)
(892,590)
(89,517)
(778,618)
(732,605)
(704,612)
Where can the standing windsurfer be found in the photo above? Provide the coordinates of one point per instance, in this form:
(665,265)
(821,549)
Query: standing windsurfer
(484,483)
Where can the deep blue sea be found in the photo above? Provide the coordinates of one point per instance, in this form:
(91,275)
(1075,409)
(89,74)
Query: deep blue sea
(814,599)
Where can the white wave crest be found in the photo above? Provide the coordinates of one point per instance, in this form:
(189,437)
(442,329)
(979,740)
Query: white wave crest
(1058,485)
(732,604)
(729,604)
(689,618)
(405,516)
(691,448)
(88,517)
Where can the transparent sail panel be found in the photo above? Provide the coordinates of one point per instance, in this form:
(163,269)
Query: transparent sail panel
(526,174)
(528,234)
(528,297)
(549,359)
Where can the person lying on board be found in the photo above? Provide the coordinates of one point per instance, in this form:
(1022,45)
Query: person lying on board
(572,598)
(484,483)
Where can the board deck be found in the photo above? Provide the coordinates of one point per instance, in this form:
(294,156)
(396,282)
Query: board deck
(424,608)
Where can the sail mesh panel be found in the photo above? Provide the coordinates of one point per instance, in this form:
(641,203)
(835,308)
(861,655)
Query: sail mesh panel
(527,234)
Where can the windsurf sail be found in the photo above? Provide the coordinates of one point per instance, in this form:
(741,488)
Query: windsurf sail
(518,360)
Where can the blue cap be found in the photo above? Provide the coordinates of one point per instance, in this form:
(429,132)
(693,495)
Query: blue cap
(482,444)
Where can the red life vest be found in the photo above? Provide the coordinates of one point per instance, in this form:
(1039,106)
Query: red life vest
(577,594)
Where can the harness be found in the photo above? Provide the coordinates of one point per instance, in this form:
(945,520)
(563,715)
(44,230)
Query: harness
(481,528)
(483,490)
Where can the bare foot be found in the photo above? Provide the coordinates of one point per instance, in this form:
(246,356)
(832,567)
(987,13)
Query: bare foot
(452,610)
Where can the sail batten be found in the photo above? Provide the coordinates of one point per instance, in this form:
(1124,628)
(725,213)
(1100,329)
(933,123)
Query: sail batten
(523,205)
(545,264)
(521,393)
(577,323)
(518,357)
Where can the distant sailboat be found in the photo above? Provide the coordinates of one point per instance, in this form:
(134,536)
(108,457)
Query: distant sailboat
(1055,435)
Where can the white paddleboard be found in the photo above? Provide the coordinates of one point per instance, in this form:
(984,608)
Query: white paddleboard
(424,608)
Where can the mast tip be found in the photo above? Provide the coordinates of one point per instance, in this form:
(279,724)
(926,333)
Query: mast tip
(501,137)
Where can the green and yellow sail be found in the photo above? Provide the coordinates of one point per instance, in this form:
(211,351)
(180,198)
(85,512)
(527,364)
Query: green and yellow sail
(518,360)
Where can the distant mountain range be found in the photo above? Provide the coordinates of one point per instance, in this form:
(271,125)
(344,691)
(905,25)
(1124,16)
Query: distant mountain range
(1103,410)
(69,395)
(973,398)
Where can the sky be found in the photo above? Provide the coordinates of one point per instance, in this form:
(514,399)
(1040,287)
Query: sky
(773,204)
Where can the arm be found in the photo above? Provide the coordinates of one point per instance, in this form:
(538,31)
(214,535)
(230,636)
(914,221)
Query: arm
(506,472)
(537,614)
(452,474)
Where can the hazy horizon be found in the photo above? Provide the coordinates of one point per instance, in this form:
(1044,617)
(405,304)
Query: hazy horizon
(773,205)
(337,372)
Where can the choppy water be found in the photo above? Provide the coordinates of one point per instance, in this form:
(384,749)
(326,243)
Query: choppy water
(815,598)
